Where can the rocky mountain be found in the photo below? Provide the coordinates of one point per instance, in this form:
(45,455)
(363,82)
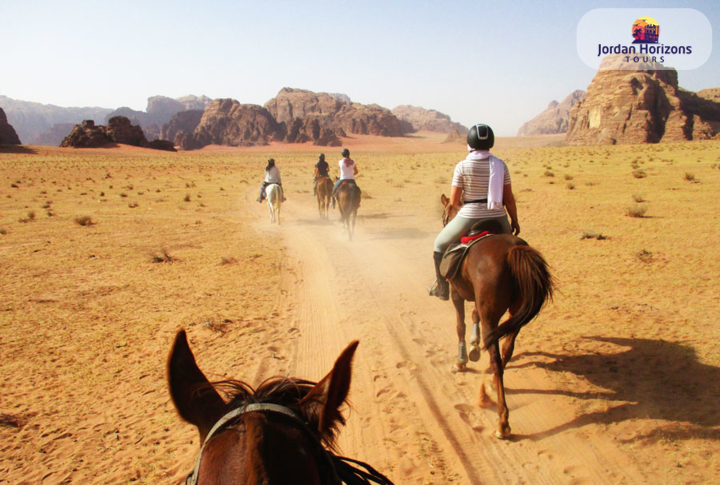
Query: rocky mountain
(421,119)
(227,122)
(30,119)
(554,119)
(334,113)
(119,129)
(159,112)
(8,136)
(641,106)
(181,125)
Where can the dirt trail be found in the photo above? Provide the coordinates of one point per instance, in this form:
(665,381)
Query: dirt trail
(412,417)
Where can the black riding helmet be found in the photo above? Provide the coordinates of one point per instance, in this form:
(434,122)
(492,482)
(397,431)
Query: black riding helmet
(345,153)
(481,137)
(321,157)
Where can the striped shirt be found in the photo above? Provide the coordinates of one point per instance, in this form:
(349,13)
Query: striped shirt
(472,176)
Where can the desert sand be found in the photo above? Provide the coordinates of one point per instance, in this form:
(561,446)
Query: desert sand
(616,381)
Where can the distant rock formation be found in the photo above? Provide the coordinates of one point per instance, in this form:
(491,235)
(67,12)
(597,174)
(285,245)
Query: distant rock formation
(30,119)
(181,126)
(333,112)
(421,119)
(8,136)
(227,122)
(554,119)
(641,106)
(149,124)
(118,130)
(160,110)
(456,137)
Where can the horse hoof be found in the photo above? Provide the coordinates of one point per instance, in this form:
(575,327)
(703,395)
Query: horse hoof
(474,354)
(458,368)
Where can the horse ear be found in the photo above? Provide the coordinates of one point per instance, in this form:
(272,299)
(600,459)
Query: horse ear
(444,200)
(331,392)
(194,398)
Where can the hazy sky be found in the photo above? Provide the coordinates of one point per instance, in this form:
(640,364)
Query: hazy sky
(495,62)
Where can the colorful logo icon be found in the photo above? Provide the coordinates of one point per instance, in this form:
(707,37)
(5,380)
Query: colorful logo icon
(646,30)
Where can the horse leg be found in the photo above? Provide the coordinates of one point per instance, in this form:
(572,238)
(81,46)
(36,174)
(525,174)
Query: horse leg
(475,337)
(509,342)
(496,365)
(459,304)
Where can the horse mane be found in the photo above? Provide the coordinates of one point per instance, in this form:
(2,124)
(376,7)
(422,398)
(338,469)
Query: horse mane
(292,393)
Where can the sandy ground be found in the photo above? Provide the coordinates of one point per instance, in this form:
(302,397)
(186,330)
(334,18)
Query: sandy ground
(615,382)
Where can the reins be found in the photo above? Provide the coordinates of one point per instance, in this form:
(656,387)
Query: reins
(342,468)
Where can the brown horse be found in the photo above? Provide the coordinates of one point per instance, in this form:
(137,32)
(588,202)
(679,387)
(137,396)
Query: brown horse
(324,188)
(348,197)
(277,434)
(500,273)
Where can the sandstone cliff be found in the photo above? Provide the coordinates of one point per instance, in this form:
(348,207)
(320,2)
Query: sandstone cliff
(7,132)
(641,106)
(227,122)
(181,126)
(554,119)
(333,113)
(421,119)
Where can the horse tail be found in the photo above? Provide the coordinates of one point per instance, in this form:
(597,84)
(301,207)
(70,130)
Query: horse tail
(534,284)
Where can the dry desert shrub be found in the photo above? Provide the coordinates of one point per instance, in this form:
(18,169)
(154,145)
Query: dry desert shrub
(637,210)
(690,177)
(133,205)
(548,173)
(162,257)
(570,186)
(28,218)
(644,256)
(228,260)
(638,197)
(84,221)
(592,235)
(568,176)
(123,194)
(639,174)
(187,198)
(3,232)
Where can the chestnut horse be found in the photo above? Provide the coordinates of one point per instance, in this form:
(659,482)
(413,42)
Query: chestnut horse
(500,273)
(280,433)
(348,197)
(324,194)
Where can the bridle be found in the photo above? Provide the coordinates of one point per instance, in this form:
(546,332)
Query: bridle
(342,472)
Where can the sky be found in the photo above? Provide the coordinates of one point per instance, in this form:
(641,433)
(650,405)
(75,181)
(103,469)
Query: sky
(499,63)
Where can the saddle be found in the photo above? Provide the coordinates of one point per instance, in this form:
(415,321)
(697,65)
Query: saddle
(455,254)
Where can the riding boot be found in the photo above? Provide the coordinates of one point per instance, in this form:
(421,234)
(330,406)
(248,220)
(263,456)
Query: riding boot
(333,202)
(441,288)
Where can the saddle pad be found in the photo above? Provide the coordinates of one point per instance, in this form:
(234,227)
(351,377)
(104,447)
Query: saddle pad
(467,239)
(455,254)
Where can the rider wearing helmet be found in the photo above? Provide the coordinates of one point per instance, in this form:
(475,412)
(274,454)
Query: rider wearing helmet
(348,170)
(481,190)
(321,170)
(272,176)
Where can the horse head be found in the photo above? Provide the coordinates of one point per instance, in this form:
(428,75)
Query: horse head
(277,433)
(449,210)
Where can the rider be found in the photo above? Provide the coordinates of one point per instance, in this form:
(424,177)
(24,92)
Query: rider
(272,176)
(481,190)
(321,170)
(348,170)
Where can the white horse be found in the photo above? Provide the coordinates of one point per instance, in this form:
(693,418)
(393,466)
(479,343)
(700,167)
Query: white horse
(274,196)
